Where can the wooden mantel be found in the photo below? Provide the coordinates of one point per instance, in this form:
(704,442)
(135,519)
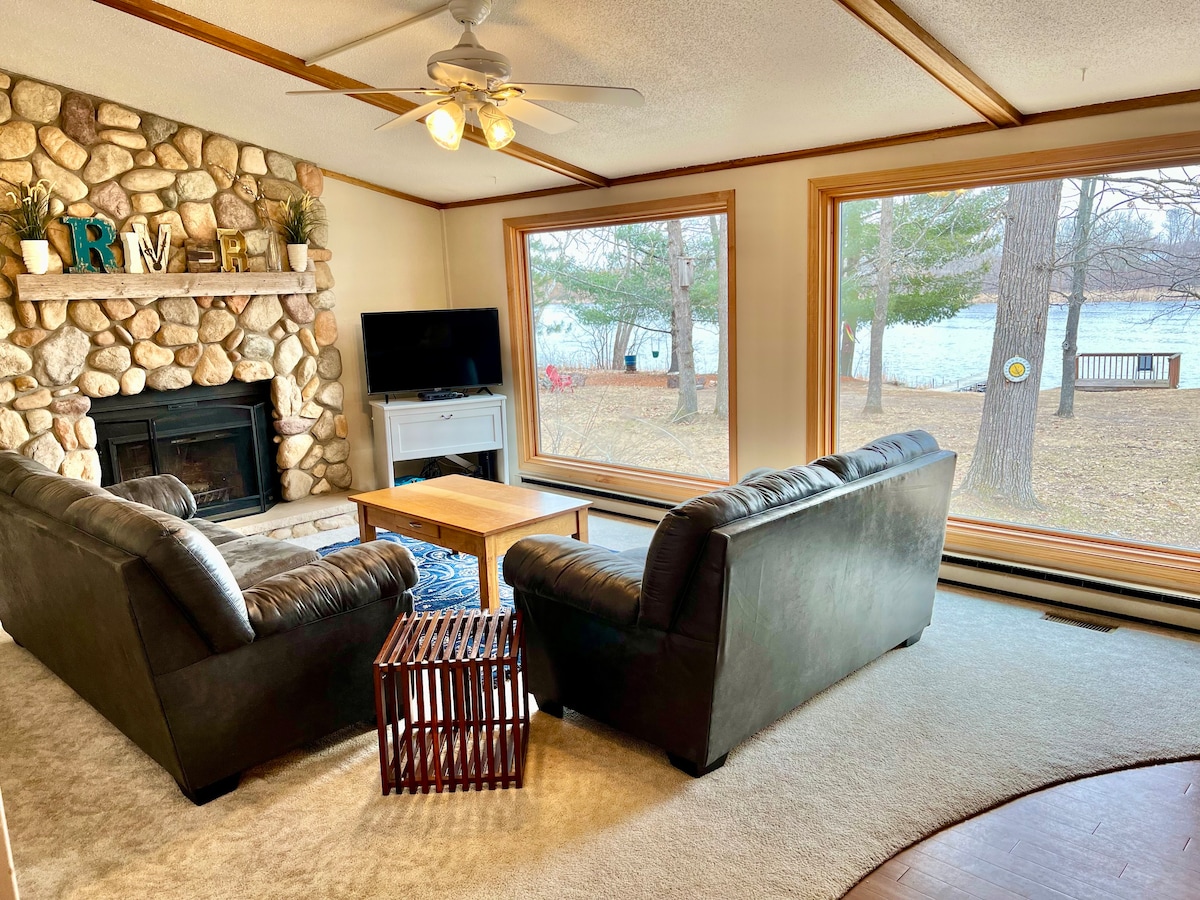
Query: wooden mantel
(184,284)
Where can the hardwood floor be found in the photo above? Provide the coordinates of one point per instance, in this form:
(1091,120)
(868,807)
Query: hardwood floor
(1129,835)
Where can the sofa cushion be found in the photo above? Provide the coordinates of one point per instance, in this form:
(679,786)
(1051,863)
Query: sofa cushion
(255,558)
(216,533)
(344,580)
(876,456)
(681,534)
(15,468)
(162,492)
(182,559)
(52,494)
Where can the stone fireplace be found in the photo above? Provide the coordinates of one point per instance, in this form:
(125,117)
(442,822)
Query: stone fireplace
(65,352)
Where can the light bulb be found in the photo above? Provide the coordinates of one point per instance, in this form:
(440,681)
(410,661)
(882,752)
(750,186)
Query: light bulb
(446,124)
(497,127)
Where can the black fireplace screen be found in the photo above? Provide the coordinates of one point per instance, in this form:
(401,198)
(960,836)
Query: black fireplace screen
(215,440)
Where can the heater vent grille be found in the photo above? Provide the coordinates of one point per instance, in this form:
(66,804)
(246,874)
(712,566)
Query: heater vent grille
(1079,623)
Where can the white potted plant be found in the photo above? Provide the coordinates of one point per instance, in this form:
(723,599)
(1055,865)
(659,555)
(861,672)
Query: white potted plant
(28,220)
(299,217)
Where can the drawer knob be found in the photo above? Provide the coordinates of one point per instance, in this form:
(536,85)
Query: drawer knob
(447,415)
(414,524)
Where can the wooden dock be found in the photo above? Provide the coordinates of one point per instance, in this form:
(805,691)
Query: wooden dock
(1126,371)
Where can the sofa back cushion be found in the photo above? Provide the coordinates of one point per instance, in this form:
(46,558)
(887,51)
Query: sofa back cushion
(893,450)
(681,535)
(183,560)
(165,492)
(673,562)
(52,494)
(15,468)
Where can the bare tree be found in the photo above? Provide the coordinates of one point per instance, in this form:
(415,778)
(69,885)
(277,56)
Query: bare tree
(721,240)
(681,305)
(883,291)
(1002,467)
(1081,242)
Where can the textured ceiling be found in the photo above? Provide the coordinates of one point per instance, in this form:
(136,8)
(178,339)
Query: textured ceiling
(722,78)
(1032,51)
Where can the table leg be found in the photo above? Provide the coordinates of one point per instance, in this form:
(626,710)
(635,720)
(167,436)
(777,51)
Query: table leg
(366,533)
(489,578)
(581,526)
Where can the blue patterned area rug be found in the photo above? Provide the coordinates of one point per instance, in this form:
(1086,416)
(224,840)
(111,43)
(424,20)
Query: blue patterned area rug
(448,580)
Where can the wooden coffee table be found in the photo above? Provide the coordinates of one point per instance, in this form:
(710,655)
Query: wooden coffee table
(473,516)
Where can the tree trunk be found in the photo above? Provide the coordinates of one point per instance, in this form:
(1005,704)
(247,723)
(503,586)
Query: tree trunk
(624,331)
(1002,466)
(883,290)
(1084,219)
(681,304)
(721,240)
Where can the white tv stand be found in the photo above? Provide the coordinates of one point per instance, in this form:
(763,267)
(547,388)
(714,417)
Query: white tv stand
(420,429)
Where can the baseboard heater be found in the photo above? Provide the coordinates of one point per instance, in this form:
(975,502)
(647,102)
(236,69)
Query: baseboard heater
(626,504)
(1122,601)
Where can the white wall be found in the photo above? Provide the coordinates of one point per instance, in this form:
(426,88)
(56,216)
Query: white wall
(387,255)
(772,271)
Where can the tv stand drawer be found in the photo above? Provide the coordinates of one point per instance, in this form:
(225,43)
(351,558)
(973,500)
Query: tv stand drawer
(447,430)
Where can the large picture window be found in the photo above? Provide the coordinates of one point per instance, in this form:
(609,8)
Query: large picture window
(1047,331)
(622,324)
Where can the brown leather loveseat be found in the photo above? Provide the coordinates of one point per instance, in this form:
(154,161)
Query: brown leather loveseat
(748,601)
(212,651)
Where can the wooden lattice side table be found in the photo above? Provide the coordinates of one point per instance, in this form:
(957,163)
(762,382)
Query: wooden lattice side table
(450,701)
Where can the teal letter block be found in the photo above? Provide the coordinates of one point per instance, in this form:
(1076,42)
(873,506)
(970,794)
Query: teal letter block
(84,245)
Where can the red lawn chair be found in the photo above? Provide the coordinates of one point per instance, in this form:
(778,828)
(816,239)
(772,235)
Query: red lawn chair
(558,381)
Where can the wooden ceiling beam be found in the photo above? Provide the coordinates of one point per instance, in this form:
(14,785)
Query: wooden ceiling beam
(902,31)
(255,51)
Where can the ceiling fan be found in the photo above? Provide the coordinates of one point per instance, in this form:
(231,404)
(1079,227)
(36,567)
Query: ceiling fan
(472,79)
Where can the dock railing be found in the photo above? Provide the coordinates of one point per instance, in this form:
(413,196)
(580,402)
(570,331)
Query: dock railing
(1126,371)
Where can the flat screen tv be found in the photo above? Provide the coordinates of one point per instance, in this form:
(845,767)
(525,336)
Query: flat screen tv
(428,350)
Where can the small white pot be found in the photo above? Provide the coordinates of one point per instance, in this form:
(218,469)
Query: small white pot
(37,256)
(298,257)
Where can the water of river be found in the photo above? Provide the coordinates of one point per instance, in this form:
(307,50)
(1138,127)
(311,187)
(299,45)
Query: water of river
(957,351)
(946,354)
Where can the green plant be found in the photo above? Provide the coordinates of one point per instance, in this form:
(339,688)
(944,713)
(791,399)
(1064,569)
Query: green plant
(31,215)
(299,217)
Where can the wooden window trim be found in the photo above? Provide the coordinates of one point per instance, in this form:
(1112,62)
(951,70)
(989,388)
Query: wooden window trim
(1153,566)
(604,476)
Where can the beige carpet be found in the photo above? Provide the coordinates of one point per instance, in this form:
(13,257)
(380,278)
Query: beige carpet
(993,702)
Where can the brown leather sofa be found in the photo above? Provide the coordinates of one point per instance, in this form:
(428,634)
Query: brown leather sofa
(212,651)
(748,601)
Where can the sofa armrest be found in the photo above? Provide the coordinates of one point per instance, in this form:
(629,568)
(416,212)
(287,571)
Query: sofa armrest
(166,493)
(589,578)
(344,580)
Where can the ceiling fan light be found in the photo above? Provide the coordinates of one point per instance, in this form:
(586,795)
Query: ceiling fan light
(446,125)
(497,127)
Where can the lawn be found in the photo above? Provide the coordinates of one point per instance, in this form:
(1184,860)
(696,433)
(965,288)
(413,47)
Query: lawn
(1126,465)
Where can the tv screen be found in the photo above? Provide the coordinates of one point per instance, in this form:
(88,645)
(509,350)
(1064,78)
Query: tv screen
(424,350)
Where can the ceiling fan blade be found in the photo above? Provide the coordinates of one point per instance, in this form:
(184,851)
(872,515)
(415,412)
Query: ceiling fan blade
(580,93)
(538,116)
(432,92)
(411,20)
(411,116)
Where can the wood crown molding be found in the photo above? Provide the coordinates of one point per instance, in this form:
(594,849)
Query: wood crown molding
(391,192)
(255,51)
(903,32)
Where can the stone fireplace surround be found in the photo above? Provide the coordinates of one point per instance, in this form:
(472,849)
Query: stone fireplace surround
(56,355)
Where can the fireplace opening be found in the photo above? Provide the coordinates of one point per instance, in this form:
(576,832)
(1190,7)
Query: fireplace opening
(216,440)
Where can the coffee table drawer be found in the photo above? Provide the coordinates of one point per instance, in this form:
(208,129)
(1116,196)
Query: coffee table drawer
(409,526)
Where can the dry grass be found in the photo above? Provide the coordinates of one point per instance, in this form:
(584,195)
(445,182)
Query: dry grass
(1126,465)
(631,424)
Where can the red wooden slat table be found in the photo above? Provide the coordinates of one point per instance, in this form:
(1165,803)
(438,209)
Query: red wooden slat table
(450,702)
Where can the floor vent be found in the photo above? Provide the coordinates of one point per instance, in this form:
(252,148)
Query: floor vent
(1079,623)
